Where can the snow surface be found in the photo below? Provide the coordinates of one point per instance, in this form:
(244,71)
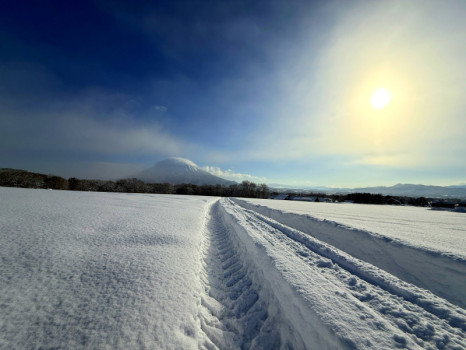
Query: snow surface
(120,271)
(99,270)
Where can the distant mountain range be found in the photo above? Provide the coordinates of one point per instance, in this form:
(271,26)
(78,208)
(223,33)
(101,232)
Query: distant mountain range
(408,190)
(177,170)
(411,190)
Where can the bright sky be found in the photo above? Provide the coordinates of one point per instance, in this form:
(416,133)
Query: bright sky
(274,91)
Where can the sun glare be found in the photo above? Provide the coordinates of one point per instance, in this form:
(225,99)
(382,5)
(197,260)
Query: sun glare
(379,98)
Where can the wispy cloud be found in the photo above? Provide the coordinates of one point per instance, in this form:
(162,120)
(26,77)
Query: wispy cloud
(162,109)
(75,133)
(93,125)
(231,175)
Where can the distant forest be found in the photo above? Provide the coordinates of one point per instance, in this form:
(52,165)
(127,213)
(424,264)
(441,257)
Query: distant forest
(26,179)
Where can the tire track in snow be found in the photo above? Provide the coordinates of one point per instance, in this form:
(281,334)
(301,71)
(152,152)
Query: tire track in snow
(427,319)
(235,312)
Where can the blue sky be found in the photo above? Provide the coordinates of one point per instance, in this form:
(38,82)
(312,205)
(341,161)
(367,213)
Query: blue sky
(271,91)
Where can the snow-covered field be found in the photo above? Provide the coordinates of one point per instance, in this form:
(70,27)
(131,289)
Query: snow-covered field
(443,231)
(99,270)
(106,270)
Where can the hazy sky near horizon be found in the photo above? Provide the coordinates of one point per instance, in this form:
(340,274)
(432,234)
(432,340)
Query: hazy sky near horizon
(272,91)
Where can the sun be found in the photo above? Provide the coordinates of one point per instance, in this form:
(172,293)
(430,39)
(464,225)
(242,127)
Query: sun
(379,98)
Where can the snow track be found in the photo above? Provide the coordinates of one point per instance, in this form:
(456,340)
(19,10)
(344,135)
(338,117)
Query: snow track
(267,282)
(237,310)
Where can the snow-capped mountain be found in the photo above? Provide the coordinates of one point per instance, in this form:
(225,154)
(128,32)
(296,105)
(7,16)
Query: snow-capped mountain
(177,170)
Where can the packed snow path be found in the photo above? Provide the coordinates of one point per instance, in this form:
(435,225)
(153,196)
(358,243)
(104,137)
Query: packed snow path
(102,270)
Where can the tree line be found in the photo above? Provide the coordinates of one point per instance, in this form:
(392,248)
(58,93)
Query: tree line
(25,179)
(365,198)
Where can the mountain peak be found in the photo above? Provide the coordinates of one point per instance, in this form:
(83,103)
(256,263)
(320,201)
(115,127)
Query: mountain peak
(179,161)
(177,170)
(177,165)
